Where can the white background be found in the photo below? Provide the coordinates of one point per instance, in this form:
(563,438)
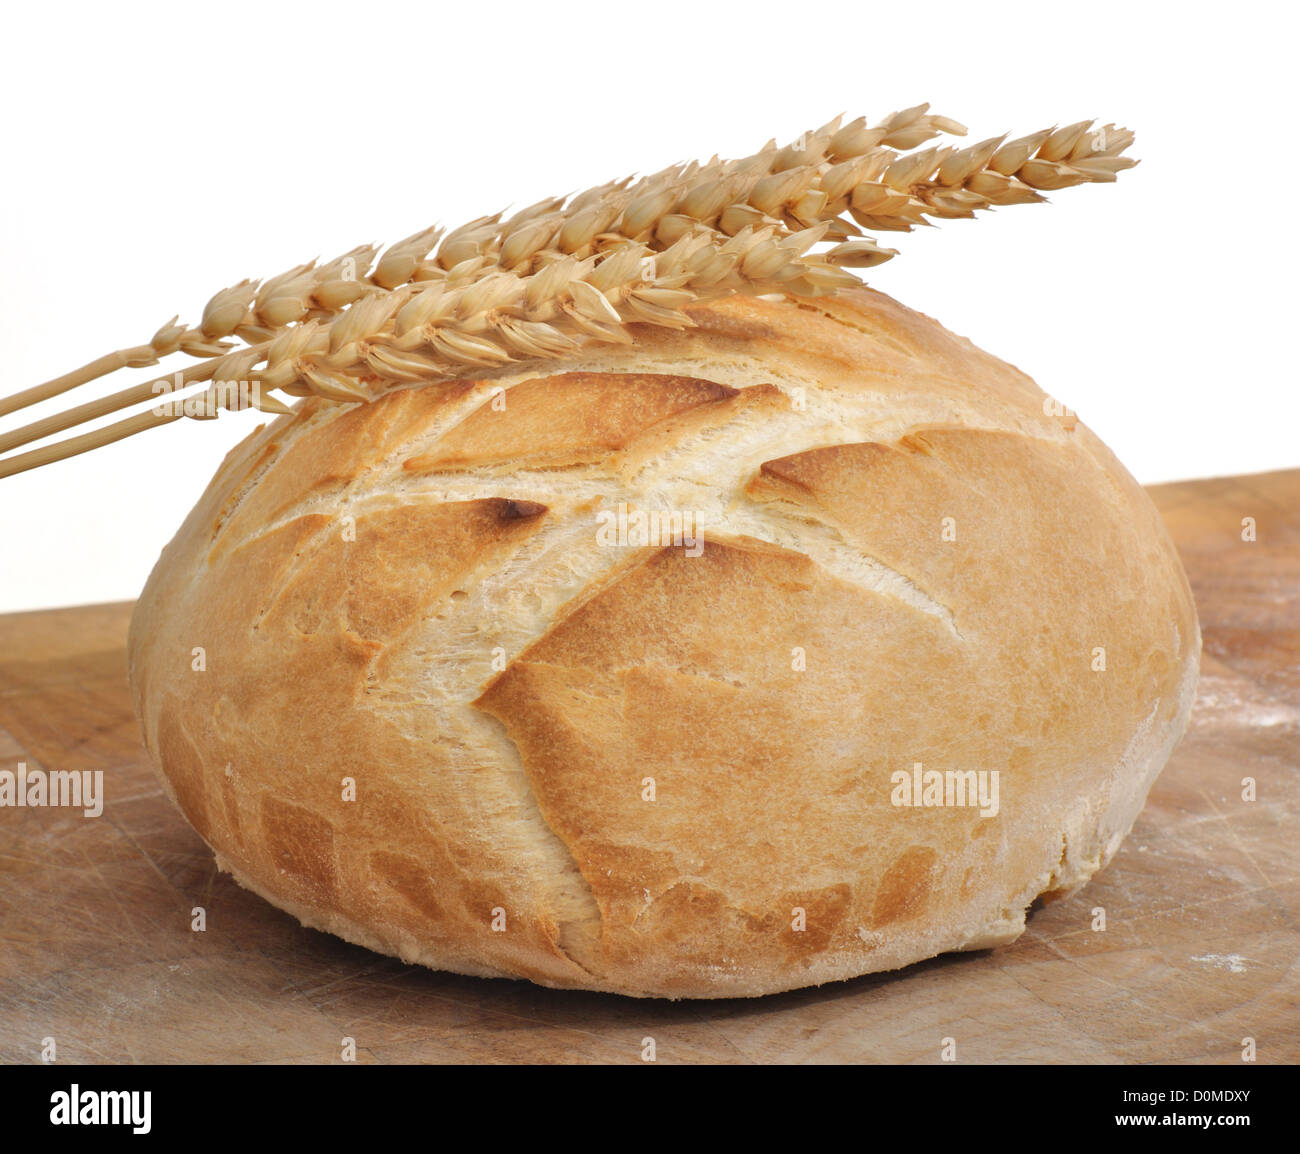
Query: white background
(157,152)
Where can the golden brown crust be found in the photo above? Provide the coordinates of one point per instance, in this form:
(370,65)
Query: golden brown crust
(564,420)
(906,558)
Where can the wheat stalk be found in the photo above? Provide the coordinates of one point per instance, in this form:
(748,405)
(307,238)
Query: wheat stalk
(564,273)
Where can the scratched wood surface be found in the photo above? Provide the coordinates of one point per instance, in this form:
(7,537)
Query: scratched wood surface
(1200,951)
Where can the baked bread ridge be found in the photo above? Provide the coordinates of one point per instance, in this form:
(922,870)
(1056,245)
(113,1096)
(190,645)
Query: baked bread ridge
(357,576)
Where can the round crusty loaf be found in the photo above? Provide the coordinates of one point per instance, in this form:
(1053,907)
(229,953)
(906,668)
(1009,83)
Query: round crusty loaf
(398,676)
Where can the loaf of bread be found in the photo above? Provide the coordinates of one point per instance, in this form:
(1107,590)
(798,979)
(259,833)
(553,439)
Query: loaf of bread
(807,642)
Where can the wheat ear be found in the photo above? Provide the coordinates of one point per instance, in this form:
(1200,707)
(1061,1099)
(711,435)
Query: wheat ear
(561,274)
(252,312)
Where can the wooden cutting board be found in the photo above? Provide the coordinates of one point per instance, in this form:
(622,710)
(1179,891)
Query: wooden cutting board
(1200,949)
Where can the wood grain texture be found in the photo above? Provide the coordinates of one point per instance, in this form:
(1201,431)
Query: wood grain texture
(1201,949)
